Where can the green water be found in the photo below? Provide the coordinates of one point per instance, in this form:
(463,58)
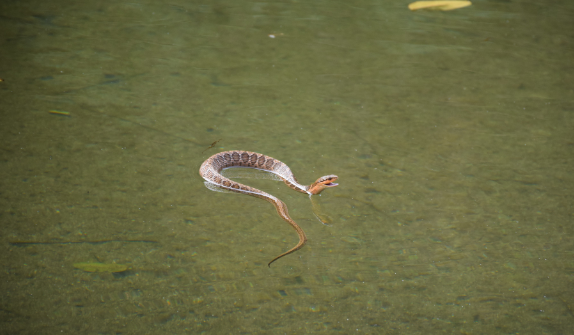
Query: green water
(452,134)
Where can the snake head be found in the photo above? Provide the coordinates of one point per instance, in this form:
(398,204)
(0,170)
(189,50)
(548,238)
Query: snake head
(323,183)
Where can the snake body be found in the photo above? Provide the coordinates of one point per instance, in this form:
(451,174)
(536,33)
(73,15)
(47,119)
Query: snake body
(211,169)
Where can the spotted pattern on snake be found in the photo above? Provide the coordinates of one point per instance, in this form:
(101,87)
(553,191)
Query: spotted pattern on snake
(211,169)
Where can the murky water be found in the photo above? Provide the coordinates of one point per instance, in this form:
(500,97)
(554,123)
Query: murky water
(451,133)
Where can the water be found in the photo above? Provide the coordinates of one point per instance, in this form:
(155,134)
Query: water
(451,134)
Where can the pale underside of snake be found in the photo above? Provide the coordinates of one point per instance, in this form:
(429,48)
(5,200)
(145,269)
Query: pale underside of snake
(211,169)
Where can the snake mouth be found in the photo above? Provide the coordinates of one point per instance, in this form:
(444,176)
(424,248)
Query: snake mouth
(323,183)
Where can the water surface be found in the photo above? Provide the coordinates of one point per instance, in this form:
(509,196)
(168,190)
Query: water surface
(451,134)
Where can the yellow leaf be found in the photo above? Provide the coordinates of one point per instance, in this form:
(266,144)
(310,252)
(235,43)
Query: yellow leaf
(439,5)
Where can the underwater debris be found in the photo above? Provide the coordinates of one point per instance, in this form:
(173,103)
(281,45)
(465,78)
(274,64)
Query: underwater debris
(100,267)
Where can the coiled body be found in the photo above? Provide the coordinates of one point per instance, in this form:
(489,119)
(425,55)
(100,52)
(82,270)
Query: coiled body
(211,169)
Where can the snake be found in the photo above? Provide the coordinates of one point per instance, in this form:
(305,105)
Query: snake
(211,169)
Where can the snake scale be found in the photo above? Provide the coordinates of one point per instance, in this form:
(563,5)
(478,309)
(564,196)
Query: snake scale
(211,169)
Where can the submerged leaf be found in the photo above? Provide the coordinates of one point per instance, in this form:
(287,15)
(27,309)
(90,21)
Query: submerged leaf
(101,267)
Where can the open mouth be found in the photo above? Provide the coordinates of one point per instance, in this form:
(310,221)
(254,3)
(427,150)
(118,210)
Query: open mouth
(332,184)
